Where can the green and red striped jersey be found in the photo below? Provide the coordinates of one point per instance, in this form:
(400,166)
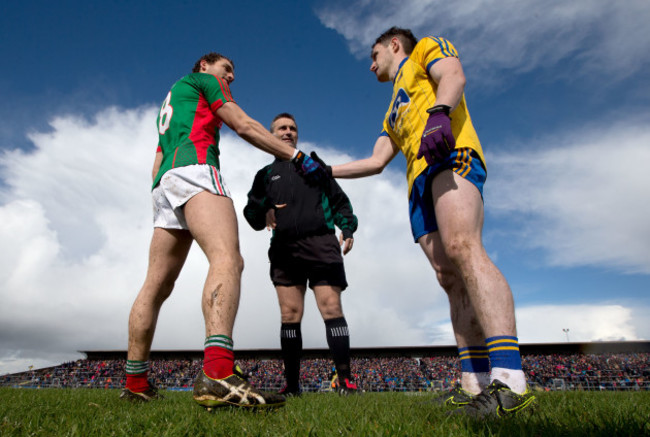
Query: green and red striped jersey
(188,125)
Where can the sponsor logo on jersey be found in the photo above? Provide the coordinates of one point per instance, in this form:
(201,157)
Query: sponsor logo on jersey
(400,105)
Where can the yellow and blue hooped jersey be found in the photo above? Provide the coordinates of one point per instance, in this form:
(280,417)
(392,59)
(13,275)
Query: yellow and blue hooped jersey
(413,93)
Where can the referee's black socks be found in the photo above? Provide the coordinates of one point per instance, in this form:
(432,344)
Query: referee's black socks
(291,343)
(338,340)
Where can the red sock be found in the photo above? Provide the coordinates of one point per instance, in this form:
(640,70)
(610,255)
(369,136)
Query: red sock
(137,383)
(218,362)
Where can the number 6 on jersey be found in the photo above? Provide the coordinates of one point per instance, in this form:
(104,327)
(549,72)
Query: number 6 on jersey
(165,116)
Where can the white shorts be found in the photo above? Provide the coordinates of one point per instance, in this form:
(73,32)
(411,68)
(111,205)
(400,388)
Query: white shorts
(179,185)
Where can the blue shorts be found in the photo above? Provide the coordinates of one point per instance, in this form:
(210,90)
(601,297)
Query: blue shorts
(465,163)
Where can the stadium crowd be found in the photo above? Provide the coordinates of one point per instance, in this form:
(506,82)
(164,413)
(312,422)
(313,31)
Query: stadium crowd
(548,372)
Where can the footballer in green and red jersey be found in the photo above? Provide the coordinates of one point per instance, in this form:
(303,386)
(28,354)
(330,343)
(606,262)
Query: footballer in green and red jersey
(188,125)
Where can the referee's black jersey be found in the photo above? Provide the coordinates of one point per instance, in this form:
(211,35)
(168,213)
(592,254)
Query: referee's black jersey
(310,209)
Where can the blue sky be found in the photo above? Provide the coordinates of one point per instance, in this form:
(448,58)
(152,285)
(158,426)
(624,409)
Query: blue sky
(558,93)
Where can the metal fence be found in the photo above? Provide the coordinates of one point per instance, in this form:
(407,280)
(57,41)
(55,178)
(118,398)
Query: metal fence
(89,380)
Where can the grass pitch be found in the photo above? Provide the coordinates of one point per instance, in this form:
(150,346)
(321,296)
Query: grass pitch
(95,412)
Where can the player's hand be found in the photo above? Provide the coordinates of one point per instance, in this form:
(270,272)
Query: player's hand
(437,139)
(328,168)
(309,169)
(346,241)
(271,223)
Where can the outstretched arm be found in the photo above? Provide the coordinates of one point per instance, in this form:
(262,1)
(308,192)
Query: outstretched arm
(256,134)
(383,153)
(253,132)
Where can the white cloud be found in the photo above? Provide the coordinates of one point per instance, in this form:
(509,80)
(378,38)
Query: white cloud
(82,170)
(585,323)
(582,197)
(492,35)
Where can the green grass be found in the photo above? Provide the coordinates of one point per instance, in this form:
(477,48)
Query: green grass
(94,412)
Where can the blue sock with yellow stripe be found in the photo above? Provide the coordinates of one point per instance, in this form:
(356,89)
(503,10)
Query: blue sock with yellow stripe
(505,361)
(474,359)
(474,367)
(504,352)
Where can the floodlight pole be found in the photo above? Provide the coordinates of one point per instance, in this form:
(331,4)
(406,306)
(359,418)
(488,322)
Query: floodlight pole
(566,331)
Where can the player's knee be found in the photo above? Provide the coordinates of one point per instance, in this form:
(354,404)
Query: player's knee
(331,309)
(166,289)
(291,314)
(332,313)
(448,279)
(232,263)
(158,290)
(459,249)
(238,263)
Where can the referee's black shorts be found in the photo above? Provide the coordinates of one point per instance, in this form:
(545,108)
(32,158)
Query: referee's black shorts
(310,261)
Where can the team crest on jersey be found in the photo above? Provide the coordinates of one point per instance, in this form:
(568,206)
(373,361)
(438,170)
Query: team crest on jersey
(400,104)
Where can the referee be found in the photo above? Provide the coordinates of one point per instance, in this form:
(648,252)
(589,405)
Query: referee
(304,251)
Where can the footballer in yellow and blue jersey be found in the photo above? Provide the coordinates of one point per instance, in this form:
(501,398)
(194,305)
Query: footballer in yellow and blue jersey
(413,93)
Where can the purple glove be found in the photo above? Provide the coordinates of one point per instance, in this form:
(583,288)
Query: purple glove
(309,169)
(328,168)
(437,139)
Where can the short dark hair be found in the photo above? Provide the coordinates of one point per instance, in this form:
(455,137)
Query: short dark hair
(405,36)
(282,115)
(210,58)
